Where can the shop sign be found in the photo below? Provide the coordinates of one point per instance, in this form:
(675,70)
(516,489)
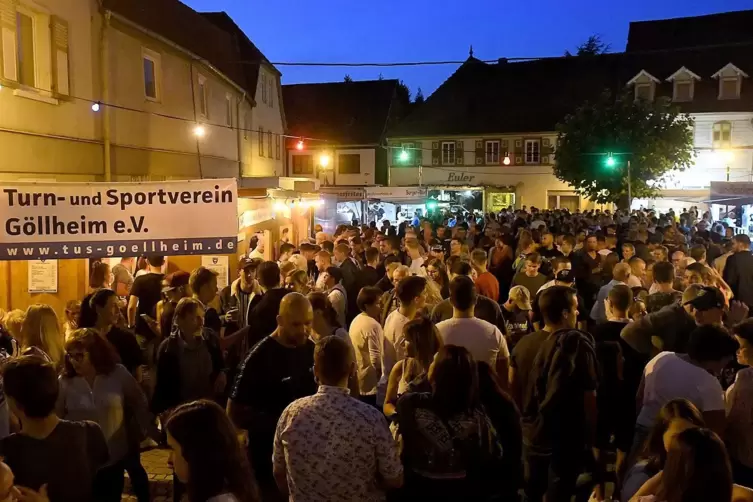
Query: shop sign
(255,216)
(49,220)
(395,193)
(460,177)
(345,194)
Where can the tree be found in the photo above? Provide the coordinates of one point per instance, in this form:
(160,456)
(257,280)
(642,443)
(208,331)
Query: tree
(419,99)
(591,47)
(348,79)
(403,93)
(653,136)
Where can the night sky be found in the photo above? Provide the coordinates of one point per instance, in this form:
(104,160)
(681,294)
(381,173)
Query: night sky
(421,30)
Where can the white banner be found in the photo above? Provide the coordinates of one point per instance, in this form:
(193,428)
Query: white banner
(82,220)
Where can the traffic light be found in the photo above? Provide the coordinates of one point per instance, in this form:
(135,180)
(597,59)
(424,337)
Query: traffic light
(431,205)
(404,156)
(610,162)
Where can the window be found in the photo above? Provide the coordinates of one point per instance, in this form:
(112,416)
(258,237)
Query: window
(261,142)
(644,91)
(303,164)
(492,152)
(228,109)
(246,124)
(263,83)
(270,92)
(349,163)
(729,88)
(26,49)
(151,74)
(683,90)
(269,144)
(533,151)
(448,152)
(277,146)
(203,97)
(722,135)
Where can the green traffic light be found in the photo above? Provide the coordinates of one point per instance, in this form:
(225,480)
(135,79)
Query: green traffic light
(404,156)
(432,204)
(610,161)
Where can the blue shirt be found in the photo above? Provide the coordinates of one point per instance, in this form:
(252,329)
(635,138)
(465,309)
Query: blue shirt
(598,311)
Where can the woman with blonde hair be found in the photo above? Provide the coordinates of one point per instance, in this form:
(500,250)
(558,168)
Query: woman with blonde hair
(12,322)
(41,334)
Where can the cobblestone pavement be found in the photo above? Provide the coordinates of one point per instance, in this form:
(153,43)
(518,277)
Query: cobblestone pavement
(160,476)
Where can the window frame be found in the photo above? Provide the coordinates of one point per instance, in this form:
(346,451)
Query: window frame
(261,142)
(450,151)
(340,163)
(229,109)
(156,60)
(492,143)
(691,88)
(269,144)
(278,141)
(737,80)
(263,79)
(203,95)
(23,11)
(296,166)
(537,160)
(270,92)
(719,128)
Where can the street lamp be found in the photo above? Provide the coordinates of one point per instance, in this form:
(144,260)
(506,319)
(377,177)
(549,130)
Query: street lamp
(506,161)
(611,162)
(199,131)
(324,160)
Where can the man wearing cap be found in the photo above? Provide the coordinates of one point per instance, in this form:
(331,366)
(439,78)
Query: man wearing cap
(237,297)
(738,271)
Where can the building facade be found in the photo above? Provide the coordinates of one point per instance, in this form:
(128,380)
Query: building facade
(133,90)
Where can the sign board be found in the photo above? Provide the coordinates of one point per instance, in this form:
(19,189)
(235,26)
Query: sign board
(732,193)
(83,220)
(344,193)
(396,193)
(219,265)
(43,276)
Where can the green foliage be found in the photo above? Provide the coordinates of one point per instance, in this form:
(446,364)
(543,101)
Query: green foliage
(653,136)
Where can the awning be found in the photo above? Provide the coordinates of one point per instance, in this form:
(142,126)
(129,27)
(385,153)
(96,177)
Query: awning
(731,192)
(397,195)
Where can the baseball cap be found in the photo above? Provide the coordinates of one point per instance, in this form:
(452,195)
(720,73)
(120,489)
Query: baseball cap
(246,262)
(520,297)
(175,280)
(709,298)
(565,275)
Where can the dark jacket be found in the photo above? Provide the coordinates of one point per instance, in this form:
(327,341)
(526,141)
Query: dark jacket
(352,284)
(167,390)
(670,327)
(369,276)
(738,273)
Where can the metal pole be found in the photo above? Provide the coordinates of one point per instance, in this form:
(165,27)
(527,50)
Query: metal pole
(630,188)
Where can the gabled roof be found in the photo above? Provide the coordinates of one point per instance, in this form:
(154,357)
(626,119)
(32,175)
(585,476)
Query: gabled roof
(183,26)
(533,96)
(680,72)
(643,73)
(348,113)
(250,55)
(729,66)
(698,31)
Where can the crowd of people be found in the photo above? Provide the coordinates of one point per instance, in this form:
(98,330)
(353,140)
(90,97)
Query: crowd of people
(526,355)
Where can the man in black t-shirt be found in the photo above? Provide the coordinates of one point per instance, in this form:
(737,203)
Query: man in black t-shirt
(276,372)
(264,308)
(146,292)
(63,455)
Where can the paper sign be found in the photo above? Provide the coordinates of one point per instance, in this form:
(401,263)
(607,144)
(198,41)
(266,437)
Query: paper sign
(218,264)
(43,276)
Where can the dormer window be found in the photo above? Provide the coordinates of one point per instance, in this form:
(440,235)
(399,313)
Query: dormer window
(683,84)
(644,85)
(730,81)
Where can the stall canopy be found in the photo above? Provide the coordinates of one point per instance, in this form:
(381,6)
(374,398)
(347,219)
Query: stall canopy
(397,195)
(731,193)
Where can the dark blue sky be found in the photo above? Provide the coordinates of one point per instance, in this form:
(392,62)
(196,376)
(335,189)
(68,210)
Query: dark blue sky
(392,30)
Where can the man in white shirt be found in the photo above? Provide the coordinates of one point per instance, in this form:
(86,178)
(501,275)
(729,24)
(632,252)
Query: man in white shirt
(366,335)
(413,249)
(410,293)
(482,339)
(257,248)
(690,376)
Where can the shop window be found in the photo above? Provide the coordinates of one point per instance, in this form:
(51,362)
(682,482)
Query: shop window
(722,138)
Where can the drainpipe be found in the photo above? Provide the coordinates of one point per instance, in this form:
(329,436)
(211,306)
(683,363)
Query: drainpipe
(105,93)
(240,135)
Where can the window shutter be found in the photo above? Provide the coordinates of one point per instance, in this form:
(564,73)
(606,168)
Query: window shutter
(480,152)
(459,154)
(9,69)
(436,153)
(504,149)
(60,57)
(418,154)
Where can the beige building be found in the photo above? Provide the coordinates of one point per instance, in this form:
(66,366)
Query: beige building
(135,90)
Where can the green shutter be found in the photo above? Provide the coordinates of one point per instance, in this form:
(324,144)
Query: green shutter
(480,152)
(459,153)
(436,153)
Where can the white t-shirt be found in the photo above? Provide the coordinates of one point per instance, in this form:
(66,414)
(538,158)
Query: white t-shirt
(668,376)
(366,336)
(392,348)
(417,267)
(482,339)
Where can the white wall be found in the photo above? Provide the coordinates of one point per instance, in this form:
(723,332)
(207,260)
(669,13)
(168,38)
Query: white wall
(334,177)
(267,115)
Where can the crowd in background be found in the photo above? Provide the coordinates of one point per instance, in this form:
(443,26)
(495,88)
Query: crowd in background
(526,354)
